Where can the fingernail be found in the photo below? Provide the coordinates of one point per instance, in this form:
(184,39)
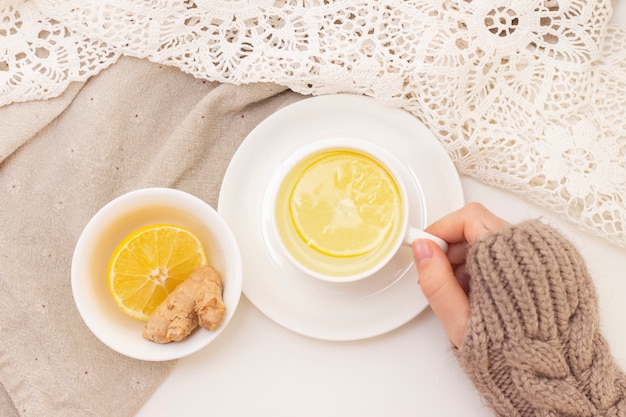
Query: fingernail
(422,251)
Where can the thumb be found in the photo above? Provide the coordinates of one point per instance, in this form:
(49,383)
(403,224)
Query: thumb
(441,288)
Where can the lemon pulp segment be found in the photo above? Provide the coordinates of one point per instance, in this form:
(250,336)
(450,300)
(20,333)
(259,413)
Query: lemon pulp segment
(149,263)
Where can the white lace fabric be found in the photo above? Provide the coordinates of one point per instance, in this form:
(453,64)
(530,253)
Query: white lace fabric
(529,96)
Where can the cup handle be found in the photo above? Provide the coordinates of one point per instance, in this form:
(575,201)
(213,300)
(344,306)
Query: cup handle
(412,234)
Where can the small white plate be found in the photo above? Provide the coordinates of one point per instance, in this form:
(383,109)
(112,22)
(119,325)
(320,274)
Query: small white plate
(342,311)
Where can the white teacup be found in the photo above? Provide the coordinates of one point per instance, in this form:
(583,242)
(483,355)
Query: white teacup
(307,258)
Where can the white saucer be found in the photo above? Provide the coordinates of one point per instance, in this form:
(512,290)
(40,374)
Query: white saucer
(342,311)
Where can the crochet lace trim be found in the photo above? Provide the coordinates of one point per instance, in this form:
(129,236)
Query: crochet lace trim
(526,95)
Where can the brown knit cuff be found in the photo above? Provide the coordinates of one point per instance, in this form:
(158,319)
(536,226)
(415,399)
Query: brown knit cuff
(533,344)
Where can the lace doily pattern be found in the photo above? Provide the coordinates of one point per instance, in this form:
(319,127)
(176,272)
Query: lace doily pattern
(526,95)
(40,57)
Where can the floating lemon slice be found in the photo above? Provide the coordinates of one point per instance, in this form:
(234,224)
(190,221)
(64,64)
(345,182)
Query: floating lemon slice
(344,204)
(149,263)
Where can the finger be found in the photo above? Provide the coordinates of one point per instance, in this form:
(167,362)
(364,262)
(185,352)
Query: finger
(463,278)
(457,253)
(466,224)
(438,283)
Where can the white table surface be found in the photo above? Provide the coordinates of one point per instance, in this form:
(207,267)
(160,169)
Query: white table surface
(258,368)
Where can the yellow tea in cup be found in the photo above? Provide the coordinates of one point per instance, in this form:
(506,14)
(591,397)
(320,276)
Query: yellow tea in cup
(339,212)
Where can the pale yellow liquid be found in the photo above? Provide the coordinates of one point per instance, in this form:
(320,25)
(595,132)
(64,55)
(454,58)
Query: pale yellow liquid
(313,176)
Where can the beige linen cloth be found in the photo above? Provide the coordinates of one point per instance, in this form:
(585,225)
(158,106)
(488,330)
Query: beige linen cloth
(136,124)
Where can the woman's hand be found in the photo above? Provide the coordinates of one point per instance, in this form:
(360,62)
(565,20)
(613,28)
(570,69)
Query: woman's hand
(443,278)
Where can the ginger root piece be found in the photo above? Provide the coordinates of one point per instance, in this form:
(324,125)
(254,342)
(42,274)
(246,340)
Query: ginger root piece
(197,300)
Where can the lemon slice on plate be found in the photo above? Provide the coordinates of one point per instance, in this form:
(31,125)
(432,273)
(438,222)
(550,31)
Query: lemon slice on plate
(344,204)
(149,263)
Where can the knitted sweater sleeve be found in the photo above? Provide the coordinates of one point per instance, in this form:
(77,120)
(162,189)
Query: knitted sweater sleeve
(533,345)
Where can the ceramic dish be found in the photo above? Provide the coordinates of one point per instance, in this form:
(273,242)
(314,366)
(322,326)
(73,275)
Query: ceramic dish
(329,311)
(103,233)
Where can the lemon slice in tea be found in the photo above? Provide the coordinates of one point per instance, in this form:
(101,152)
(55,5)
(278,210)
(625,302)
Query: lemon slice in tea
(344,204)
(149,263)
